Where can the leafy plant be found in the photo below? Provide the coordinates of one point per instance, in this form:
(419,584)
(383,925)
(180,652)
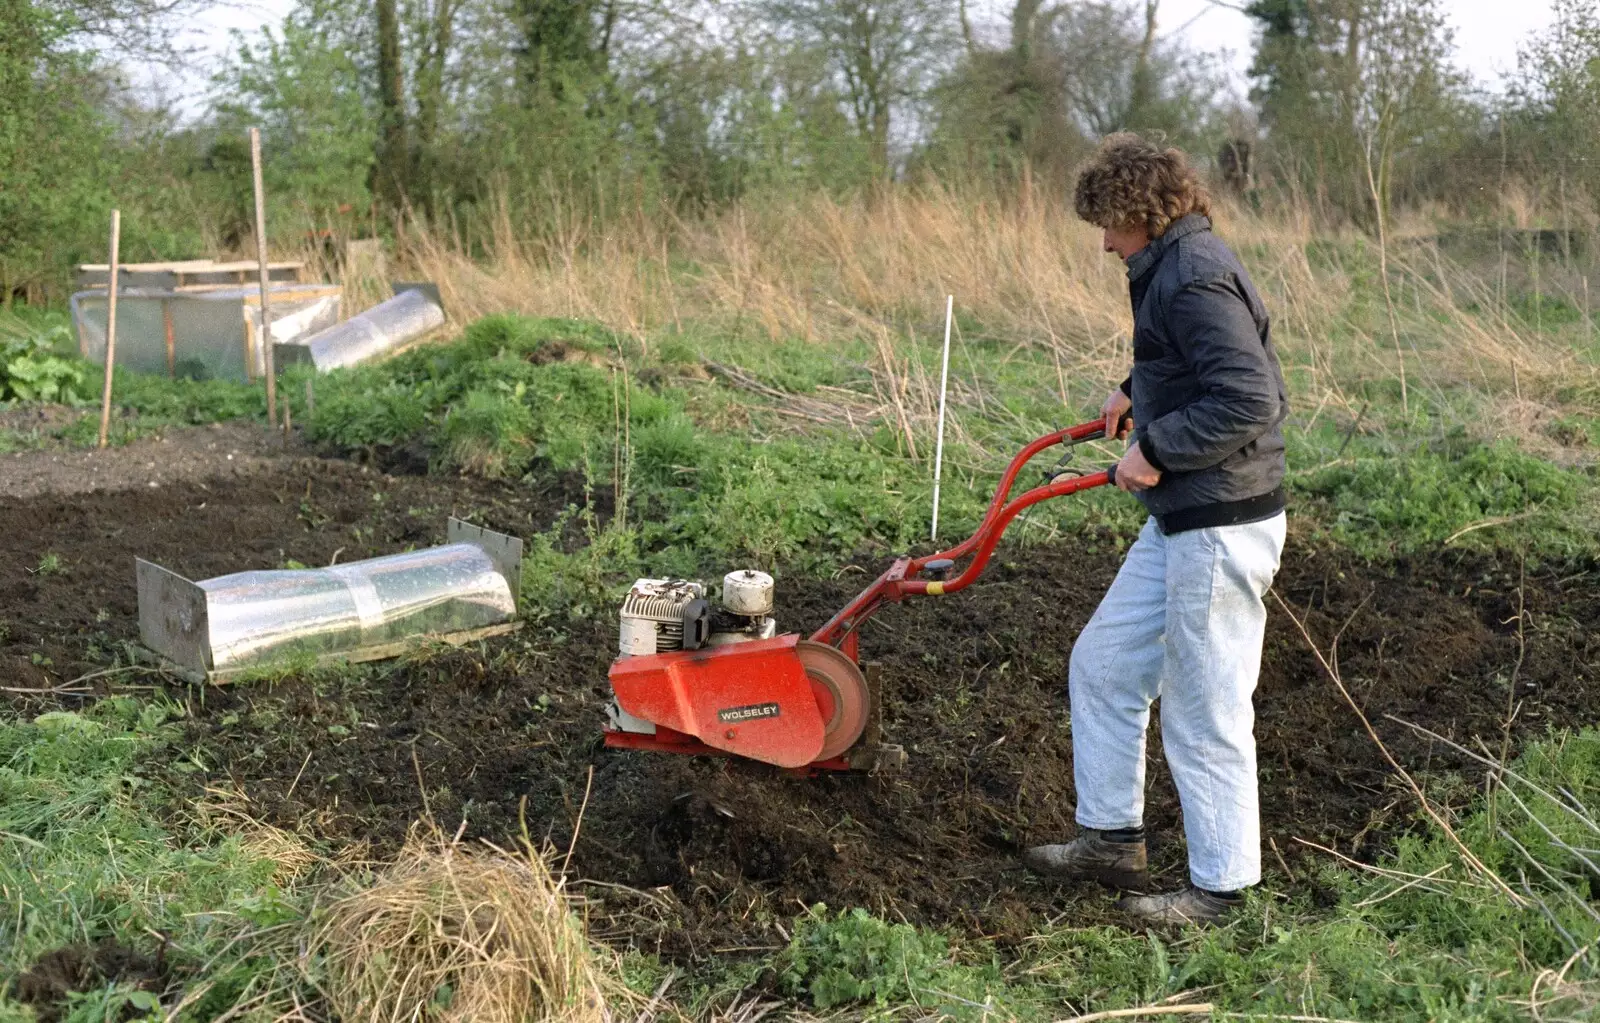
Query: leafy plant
(31,371)
(856,957)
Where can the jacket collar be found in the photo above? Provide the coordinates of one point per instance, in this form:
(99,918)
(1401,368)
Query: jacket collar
(1143,261)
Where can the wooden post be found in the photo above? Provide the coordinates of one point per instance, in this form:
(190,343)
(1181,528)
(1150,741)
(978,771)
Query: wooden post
(111,325)
(172,345)
(261,260)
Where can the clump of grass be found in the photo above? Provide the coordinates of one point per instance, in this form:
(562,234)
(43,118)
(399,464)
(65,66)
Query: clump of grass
(83,859)
(490,433)
(448,933)
(230,812)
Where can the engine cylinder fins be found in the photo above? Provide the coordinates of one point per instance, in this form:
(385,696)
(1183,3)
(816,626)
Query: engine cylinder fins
(660,599)
(838,682)
(659,615)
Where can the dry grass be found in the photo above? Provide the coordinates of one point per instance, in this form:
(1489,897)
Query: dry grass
(230,811)
(1023,265)
(816,268)
(452,933)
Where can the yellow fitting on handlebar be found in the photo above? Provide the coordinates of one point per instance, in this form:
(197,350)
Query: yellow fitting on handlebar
(936,589)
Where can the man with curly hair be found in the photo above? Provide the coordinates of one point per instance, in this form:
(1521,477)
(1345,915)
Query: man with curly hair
(1184,619)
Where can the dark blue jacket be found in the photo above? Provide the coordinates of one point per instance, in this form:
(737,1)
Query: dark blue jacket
(1208,394)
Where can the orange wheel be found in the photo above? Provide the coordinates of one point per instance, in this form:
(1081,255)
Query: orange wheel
(841,692)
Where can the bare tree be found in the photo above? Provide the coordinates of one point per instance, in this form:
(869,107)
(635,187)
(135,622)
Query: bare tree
(435,31)
(1555,97)
(884,52)
(1115,74)
(143,29)
(1348,86)
(1403,83)
(394,155)
(1142,88)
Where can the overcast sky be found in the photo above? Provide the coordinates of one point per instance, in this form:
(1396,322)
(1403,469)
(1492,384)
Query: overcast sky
(1487,33)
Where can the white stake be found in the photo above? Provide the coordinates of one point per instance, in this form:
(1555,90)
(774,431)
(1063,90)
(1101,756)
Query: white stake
(944,383)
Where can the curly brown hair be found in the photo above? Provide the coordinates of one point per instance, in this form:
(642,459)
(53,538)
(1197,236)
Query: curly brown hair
(1130,182)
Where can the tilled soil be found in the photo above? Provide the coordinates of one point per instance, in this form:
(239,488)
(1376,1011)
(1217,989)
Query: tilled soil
(49,982)
(68,601)
(689,856)
(178,455)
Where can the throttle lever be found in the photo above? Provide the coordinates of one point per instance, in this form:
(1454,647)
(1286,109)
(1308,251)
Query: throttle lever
(1063,467)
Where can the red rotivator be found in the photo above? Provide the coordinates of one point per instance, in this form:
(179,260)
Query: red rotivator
(719,680)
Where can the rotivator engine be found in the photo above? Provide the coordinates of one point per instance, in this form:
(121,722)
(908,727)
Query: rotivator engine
(663,615)
(693,671)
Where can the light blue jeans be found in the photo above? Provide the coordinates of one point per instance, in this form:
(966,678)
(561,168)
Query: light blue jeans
(1184,621)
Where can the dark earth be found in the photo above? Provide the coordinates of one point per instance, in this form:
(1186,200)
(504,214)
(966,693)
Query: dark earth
(691,856)
(47,984)
(49,465)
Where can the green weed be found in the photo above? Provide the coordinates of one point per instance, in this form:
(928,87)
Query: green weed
(1385,499)
(854,957)
(368,412)
(706,479)
(82,857)
(583,580)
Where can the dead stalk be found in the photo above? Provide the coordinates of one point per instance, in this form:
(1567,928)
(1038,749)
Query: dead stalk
(1397,875)
(1146,1010)
(1423,801)
(1496,781)
(1570,807)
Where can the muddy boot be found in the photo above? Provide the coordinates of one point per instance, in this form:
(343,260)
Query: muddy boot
(1190,906)
(1093,857)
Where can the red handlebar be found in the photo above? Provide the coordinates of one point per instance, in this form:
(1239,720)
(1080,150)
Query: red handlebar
(900,578)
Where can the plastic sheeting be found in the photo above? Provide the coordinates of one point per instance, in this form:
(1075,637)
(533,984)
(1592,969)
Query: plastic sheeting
(383,328)
(261,616)
(208,334)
